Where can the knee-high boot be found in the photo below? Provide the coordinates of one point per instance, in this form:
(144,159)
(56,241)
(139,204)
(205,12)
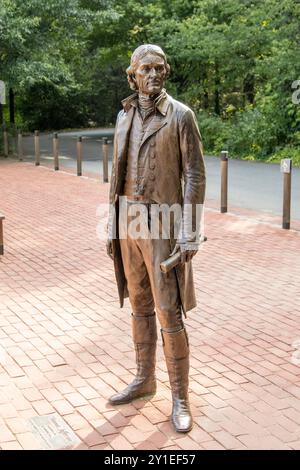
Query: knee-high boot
(144,337)
(176,349)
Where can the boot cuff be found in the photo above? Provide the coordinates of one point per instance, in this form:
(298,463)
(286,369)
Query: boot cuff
(175,344)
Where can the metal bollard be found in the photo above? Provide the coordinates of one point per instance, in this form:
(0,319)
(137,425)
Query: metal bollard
(20,146)
(55,151)
(224,181)
(5,141)
(105,159)
(37,150)
(14,140)
(1,235)
(79,156)
(286,169)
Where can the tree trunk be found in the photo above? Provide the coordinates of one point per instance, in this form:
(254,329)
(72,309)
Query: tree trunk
(11,106)
(205,100)
(248,88)
(205,90)
(217,90)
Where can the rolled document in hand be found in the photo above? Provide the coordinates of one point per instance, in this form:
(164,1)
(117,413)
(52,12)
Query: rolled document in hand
(172,261)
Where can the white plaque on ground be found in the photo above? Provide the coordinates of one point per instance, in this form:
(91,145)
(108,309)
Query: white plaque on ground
(53,432)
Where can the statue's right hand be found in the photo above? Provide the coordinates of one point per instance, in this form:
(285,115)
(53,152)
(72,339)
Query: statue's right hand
(109,249)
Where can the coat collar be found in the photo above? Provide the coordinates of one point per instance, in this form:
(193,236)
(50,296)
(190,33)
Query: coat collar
(161,103)
(125,121)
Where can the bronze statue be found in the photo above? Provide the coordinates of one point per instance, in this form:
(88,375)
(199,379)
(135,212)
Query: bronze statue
(157,146)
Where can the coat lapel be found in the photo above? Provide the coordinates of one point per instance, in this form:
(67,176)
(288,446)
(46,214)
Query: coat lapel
(124,126)
(120,146)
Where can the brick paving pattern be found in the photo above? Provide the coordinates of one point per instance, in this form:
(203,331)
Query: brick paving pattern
(65,346)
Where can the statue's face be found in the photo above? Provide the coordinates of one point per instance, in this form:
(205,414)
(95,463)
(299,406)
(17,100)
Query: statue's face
(150,74)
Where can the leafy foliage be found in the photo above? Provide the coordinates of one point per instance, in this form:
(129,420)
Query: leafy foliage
(232,61)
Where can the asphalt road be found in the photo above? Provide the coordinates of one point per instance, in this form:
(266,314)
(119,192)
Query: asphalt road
(252,185)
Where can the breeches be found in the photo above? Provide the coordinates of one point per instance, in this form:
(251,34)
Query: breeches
(148,287)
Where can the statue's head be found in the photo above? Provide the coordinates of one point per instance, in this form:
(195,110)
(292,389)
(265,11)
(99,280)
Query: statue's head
(148,69)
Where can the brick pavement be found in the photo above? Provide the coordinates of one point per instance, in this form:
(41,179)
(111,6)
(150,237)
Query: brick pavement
(65,345)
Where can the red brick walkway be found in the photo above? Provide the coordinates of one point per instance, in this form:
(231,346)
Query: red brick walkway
(65,345)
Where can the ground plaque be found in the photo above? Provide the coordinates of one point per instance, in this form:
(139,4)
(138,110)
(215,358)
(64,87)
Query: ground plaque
(52,432)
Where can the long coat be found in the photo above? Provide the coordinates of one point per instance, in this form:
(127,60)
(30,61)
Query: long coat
(174,136)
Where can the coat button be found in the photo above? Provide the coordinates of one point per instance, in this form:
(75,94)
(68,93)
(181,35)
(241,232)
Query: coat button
(152,177)
(152,144)
(152,166)
(152,155)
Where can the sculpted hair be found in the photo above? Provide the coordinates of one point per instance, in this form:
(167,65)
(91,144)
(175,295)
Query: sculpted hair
(137,55)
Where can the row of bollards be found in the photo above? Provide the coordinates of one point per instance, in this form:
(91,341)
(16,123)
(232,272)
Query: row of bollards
(12,142)
(19,144)
(105,143)
(285,168)
(55,151)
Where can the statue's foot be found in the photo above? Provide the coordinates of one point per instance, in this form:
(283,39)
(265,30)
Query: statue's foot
(181,415)
(139,388)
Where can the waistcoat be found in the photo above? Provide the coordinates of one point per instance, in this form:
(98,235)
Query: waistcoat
(139,178)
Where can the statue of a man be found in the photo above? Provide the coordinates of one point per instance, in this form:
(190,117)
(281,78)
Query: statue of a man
(157,147)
